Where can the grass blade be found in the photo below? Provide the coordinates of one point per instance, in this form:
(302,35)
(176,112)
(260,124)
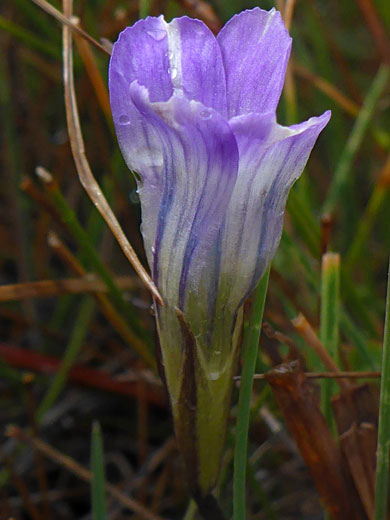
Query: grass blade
(342,172)
(383,448)
(98,492)
(79,332)
(329,330)
(250,347)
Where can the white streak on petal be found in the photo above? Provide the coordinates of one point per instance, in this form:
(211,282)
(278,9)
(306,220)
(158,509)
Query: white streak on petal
(175,56)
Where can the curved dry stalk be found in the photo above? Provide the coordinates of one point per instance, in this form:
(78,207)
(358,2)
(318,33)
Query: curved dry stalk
(85,174)
(55,13)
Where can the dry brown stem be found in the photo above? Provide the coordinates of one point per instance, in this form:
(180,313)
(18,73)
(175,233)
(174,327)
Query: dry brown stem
(307,332)
(85,173)
(315,441)
(47,288)
(55,13)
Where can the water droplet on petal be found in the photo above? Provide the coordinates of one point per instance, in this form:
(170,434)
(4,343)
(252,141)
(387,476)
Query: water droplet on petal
(124,119)
(205,114)
(173,73)
(153,250)
(157,34)
(134,197)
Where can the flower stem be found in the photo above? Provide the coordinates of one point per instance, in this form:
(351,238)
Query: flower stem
(250,348)
(329,333)
(382,462)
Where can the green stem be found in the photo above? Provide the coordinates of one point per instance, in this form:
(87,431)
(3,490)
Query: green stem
(329,330)
(98,484)
(383,449)
(250,349)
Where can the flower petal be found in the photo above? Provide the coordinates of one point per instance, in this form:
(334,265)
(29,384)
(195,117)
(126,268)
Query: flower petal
(272,158)
(141,53)
(255,48)
(187,157)
(200,71)
(182,57)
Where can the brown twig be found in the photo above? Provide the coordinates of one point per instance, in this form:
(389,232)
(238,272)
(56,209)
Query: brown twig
(326,232)
(28,380)
(50,9)
(78,470)
(85,173)
(288,13)
(95,77)
(22,490)
(307,332)
(376,28)
(116,320)
(329,375)
(204,11)
(327,88)
(47,288)
(83,375)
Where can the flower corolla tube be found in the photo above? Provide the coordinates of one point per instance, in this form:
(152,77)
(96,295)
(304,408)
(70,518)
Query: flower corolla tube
(195,117)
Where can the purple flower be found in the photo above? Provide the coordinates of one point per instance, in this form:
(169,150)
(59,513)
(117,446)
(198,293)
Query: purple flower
(195,118)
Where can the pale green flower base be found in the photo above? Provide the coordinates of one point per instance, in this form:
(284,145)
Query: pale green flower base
(200,393)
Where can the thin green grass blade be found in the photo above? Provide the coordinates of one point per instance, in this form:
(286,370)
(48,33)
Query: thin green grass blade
(250,346)
(77,339)
(366,224)
(191,511)
(343,169)
(98,491)
(383,448)
(91,255)
(144,6)
(329,322)
(28,38)
(305,223)
(358,339)
(37,19)
(347,325)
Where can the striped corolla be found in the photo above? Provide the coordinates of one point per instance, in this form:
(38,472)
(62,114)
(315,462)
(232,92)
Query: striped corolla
(195,118)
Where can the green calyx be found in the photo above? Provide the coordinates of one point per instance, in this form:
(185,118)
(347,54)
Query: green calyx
(199,383)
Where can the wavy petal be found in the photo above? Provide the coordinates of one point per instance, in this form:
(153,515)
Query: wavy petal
(272,158)
(181,57)
(255,48)
(187,157)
